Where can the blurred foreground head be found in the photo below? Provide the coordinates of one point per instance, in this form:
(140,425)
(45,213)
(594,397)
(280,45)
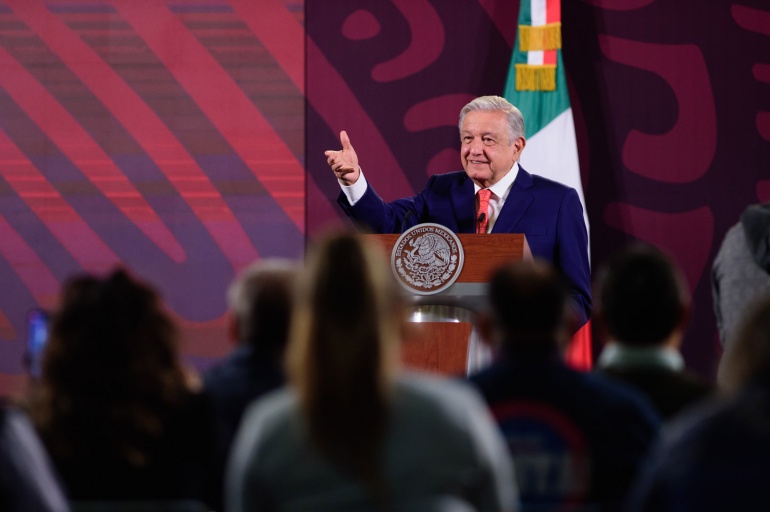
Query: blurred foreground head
(343,349)
(261,300)
(347,315)
(529,306)
(642,296)
(111,363)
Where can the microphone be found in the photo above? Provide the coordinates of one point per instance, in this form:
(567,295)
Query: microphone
(481,218)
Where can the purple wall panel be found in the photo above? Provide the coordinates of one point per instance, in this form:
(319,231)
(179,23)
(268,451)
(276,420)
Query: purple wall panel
(672,153)
(165,137)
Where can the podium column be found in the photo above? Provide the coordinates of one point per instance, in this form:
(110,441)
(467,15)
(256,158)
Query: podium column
(441,336)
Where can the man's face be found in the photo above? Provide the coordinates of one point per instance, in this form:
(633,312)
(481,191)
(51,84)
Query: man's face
(486,152)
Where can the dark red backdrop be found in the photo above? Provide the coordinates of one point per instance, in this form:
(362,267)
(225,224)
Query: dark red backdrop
(671,101)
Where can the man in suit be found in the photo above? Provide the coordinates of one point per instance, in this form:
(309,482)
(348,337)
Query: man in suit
(493,194)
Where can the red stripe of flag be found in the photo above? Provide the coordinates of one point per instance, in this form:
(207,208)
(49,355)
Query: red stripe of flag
(552,15)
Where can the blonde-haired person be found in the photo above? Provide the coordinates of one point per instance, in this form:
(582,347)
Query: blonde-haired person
(715,458)
(353,431)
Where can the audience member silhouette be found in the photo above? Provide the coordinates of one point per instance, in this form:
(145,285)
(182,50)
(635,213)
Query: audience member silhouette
(113,406)
(643,305)
(27,480)
(261,301)
(741,270)
(715,458)
(577,439)
(352,431)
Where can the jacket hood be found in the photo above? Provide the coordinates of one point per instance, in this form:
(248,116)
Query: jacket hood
(756,225)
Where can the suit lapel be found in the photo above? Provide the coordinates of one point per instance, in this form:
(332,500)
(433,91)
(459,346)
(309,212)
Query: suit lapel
(519,199)
(463,202)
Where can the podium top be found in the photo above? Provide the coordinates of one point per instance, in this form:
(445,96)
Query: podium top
(484,253)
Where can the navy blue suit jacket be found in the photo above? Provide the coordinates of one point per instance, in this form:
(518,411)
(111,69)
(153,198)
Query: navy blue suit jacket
(547,212)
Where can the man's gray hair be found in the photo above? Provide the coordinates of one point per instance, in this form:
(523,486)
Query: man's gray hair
(497,104)
(261,299)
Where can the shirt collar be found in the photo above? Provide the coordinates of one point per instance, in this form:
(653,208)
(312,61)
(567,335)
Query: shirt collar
(501,188)
(624,356)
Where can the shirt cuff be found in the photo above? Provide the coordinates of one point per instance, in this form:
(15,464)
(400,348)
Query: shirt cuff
(355,191)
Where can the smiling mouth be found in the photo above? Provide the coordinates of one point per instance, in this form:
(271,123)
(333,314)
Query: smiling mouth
(477,162)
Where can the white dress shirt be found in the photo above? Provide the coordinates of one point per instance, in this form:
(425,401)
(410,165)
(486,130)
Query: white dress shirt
(499,190)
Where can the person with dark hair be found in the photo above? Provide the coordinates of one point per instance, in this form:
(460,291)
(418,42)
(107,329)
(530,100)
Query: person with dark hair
(643,305)
(261,302)
(577,438)
(352,431)
(714,458)
(741,270)
(113,404)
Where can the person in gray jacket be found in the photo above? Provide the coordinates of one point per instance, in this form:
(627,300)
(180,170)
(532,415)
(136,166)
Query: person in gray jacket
(28,482)
(741,270)
(352,431)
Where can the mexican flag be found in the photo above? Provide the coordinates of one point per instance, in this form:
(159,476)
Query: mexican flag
(537,86)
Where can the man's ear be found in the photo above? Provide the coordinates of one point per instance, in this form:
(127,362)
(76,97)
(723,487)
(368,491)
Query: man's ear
(519,143)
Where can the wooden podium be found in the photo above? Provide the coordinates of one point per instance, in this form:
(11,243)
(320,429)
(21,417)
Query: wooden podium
(441,337)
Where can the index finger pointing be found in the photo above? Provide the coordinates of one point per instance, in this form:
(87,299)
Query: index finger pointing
(344,140)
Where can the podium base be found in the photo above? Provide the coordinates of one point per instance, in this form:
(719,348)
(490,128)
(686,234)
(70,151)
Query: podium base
(443,339)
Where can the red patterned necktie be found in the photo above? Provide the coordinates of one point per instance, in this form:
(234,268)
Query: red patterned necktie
(482,215)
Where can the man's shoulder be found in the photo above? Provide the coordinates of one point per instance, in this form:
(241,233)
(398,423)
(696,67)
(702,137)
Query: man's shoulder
(734,245)
(243,369)
(273,410)
(420,387)
(614,391)
(588,388)
(537,181)
(232,364)
(448,178)
(450,175)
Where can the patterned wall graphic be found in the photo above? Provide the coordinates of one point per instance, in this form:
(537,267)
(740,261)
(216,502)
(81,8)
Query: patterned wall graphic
(394,75)
(671,101)
(673,98)
(163,136)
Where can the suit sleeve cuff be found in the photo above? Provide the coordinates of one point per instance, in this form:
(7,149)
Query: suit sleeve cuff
(355,191)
